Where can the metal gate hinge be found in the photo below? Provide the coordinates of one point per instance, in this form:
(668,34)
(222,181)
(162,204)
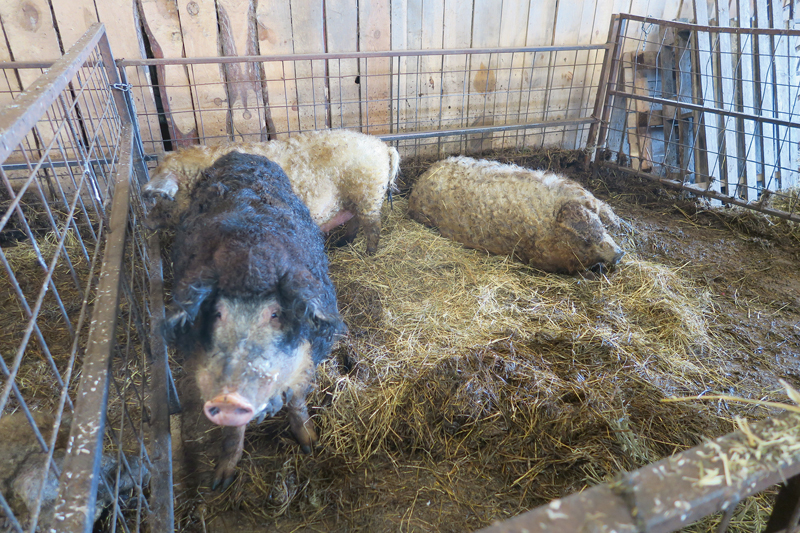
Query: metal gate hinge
(122,86)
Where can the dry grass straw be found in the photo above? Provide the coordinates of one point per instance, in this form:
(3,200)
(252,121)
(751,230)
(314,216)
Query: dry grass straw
(471,388)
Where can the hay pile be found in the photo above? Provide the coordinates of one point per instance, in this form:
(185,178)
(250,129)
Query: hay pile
(471,388)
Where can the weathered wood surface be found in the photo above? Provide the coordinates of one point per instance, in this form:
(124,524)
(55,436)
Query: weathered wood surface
(237,101)
(198,23)
(237,26)
(163,28)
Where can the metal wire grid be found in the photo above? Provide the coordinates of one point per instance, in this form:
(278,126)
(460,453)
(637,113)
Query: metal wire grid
(438,101)
(713,110)
(66,152)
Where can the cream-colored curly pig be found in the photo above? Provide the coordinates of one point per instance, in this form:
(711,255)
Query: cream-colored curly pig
(339,175)
(541,218)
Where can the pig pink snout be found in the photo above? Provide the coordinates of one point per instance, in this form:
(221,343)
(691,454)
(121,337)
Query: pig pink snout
(230,409)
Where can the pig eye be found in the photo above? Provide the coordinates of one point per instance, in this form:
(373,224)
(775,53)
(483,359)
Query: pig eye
(274,314)
(218,315)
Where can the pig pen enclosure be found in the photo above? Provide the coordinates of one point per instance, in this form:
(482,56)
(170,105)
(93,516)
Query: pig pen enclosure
(469,388)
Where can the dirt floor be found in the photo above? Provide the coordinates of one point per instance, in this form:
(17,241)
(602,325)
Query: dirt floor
(748,266)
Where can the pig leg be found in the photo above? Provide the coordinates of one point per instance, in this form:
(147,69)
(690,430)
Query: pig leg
(232,446)
(371,222)
(299,421)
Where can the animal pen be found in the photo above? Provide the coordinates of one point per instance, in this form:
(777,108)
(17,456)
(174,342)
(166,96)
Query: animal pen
(83,289)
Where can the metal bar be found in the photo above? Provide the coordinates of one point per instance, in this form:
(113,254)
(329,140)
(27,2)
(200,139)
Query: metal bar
(707,109)
(698,27)
(677,491)
(17,120)
(78,488)
(161,518)
(601,107)
(346,55)
(486,129)
(710,194)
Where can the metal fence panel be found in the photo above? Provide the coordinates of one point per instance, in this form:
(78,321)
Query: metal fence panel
(77,370)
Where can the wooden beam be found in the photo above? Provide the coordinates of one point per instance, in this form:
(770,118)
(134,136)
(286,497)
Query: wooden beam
(375,35)
(342,36)
(126,43)
(198,21)
(163,27)
(706,93)
(766,102)
(727,101)
(237,23)
(274,19)
(749,104)
(783,94)
(309,37)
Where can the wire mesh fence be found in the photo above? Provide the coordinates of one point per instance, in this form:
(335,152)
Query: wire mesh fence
(428,102)
(76,387)
(714,110)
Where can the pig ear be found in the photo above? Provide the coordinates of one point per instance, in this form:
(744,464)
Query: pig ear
(304,297)
(583,222)
(187,299)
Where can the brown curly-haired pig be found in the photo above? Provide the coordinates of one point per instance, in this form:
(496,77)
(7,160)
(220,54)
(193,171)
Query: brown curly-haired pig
(340,175)
(538,217)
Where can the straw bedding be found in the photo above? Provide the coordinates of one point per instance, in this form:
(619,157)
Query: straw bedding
(471,388)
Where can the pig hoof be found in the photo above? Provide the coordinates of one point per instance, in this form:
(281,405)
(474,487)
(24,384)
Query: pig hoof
(223,477)
(306,449)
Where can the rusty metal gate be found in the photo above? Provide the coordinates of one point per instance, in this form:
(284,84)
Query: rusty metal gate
(84,371)
(712,110)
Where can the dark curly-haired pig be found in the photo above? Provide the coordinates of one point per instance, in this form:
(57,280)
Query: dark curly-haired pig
(341,175)
(540,218)
(255,310)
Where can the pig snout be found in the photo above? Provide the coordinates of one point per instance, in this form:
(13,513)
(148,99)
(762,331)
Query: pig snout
(229,410)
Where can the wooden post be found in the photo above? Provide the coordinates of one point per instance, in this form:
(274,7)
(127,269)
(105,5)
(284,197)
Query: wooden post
(163,27)
(201,39)
(275,36)
(749,104)
(704,75)
(237,25)
(342,34)
(375,35)
(727,102)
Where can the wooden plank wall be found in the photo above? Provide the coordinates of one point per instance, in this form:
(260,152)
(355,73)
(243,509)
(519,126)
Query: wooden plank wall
(211,103)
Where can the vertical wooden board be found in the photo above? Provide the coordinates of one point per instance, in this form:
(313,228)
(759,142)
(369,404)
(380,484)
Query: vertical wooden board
(783,91)
(483,73)
(749,105)
(309,38)
(73,19)
(579,98)
(198,19)
(237,23)
(406,35)
(121,18)
(540,32)
(274,20)
(562,67)
(793,179)
(430,79)
(163,27)
(510,68)
(342,34)
(455,82)
(765,87)
(375,23)
(727,100)
(707,95)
